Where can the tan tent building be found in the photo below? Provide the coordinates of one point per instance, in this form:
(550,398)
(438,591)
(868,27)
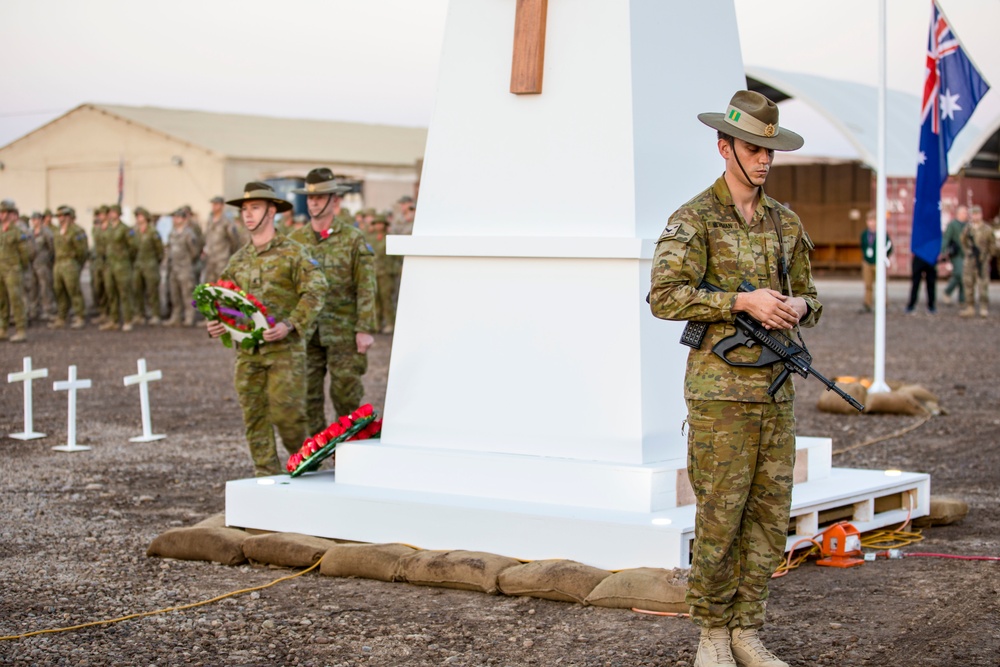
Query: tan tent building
(169,157)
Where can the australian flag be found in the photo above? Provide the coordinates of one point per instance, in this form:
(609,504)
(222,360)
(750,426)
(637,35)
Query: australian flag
(952,89)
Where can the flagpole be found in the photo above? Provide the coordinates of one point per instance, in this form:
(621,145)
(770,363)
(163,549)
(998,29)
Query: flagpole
(878,376)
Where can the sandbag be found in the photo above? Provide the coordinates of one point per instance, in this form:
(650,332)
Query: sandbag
(465,570)
(563,580)
(928,400)
(893,403)
(370,561)
(943,511)
(221,545)
(649,588)
(286,549)
(214,521)
(831,402)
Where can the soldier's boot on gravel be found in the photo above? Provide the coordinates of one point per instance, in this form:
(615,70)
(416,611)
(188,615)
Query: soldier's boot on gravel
(77,323)
(19,336)
(154,321)
(108,326)
(127,326)
(57,323)
(713,649)
(983,312)
(749,651)
(968,311)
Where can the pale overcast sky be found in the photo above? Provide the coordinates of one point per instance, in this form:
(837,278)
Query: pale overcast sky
(376,60)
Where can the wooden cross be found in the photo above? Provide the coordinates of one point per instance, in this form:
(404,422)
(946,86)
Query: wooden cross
(529,47)
(71,385)
(26,376)
(143,379)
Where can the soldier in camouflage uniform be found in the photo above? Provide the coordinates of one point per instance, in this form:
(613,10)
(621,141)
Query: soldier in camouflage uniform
(344,329)
(979,246)
(70,249)
(97,263)
(146,277)
(119,251)
(183,250)
(15,257)
(386,274)
(222,239)
(41,298)
(741,442)
(269,379)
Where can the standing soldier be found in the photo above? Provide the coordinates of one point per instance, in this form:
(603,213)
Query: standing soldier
(268,378)
(146,280)
(344,329)
(70,250)
(41,299)
(386,273)
(221,240)
(15,257)
(119,250)
(183,250)
(951,248)
(979,246)
(97,287)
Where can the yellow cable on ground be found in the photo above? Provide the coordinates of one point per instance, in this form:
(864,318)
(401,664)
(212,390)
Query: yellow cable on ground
(163,611)
(895,434)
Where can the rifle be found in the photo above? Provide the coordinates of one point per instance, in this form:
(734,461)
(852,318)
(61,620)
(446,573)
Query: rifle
(775,347)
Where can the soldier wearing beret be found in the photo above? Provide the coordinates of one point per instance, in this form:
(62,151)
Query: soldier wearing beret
(269,379)
(344,329)
(15,257)
(70,250)
(741,441)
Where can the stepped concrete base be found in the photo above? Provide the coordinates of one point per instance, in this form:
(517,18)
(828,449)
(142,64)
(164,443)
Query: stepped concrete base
(315,504)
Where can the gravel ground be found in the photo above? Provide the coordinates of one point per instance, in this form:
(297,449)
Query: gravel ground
(75,527)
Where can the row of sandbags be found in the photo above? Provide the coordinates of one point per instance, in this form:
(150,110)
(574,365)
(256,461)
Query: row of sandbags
(902,399)
(653,589)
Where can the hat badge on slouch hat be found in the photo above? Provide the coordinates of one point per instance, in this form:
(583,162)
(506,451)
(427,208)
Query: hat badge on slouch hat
(258,190)
(322,181)
(753,118)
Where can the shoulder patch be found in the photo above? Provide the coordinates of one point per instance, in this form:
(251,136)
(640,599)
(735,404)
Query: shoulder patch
(676,231)
(810,246)
(313,262)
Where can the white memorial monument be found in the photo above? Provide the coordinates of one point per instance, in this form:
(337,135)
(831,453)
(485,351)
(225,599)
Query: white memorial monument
(143,378)
(71,385)
(534,405)
(27,376)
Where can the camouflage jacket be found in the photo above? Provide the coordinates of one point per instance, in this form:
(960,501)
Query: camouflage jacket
(283,277)
(183,248)
(978,239)
(99,254)
(707,238)
(70,245)
(148,247)
(119,243)
(15,248)
(222,239)
(347,262)
(44,252)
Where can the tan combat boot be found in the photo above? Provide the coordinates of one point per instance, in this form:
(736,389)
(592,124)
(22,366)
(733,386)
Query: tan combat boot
(19,336)
(57,323)
(750,652)
(968,311)
(713,649)
(983,312)
(108,326)
(127,326)
(154,321)
(77,323)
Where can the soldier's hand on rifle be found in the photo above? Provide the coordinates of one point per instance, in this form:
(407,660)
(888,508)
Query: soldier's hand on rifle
(771,308)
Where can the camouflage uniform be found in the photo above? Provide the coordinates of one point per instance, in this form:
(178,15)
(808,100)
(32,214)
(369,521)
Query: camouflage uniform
(222,239)
(979,245)
(97,263)
(118,251)
(346,261)
(146,278)
(183,250)
(741,442)
(15,257)
(386,275)
(41,298)
(269,380)
(70,250)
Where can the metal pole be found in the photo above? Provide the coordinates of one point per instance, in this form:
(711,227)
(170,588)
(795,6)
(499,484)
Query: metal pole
(878,375)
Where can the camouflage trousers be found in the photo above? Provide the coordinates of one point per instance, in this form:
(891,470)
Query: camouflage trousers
(740,461)
(345,366)
(181,291)
(118,286)
(66,281)
(40,296)
(385,303)
(12,299)
(977,284)
(272,395)
(146,285)
(98,288)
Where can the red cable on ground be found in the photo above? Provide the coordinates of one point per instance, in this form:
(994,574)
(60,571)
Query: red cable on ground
(932,555)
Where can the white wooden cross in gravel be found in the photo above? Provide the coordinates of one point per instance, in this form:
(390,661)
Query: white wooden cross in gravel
(71,385)
(143,379)
(26,376)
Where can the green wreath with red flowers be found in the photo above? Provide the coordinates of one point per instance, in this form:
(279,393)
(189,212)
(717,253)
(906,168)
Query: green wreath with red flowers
(361,424)
(244,317)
